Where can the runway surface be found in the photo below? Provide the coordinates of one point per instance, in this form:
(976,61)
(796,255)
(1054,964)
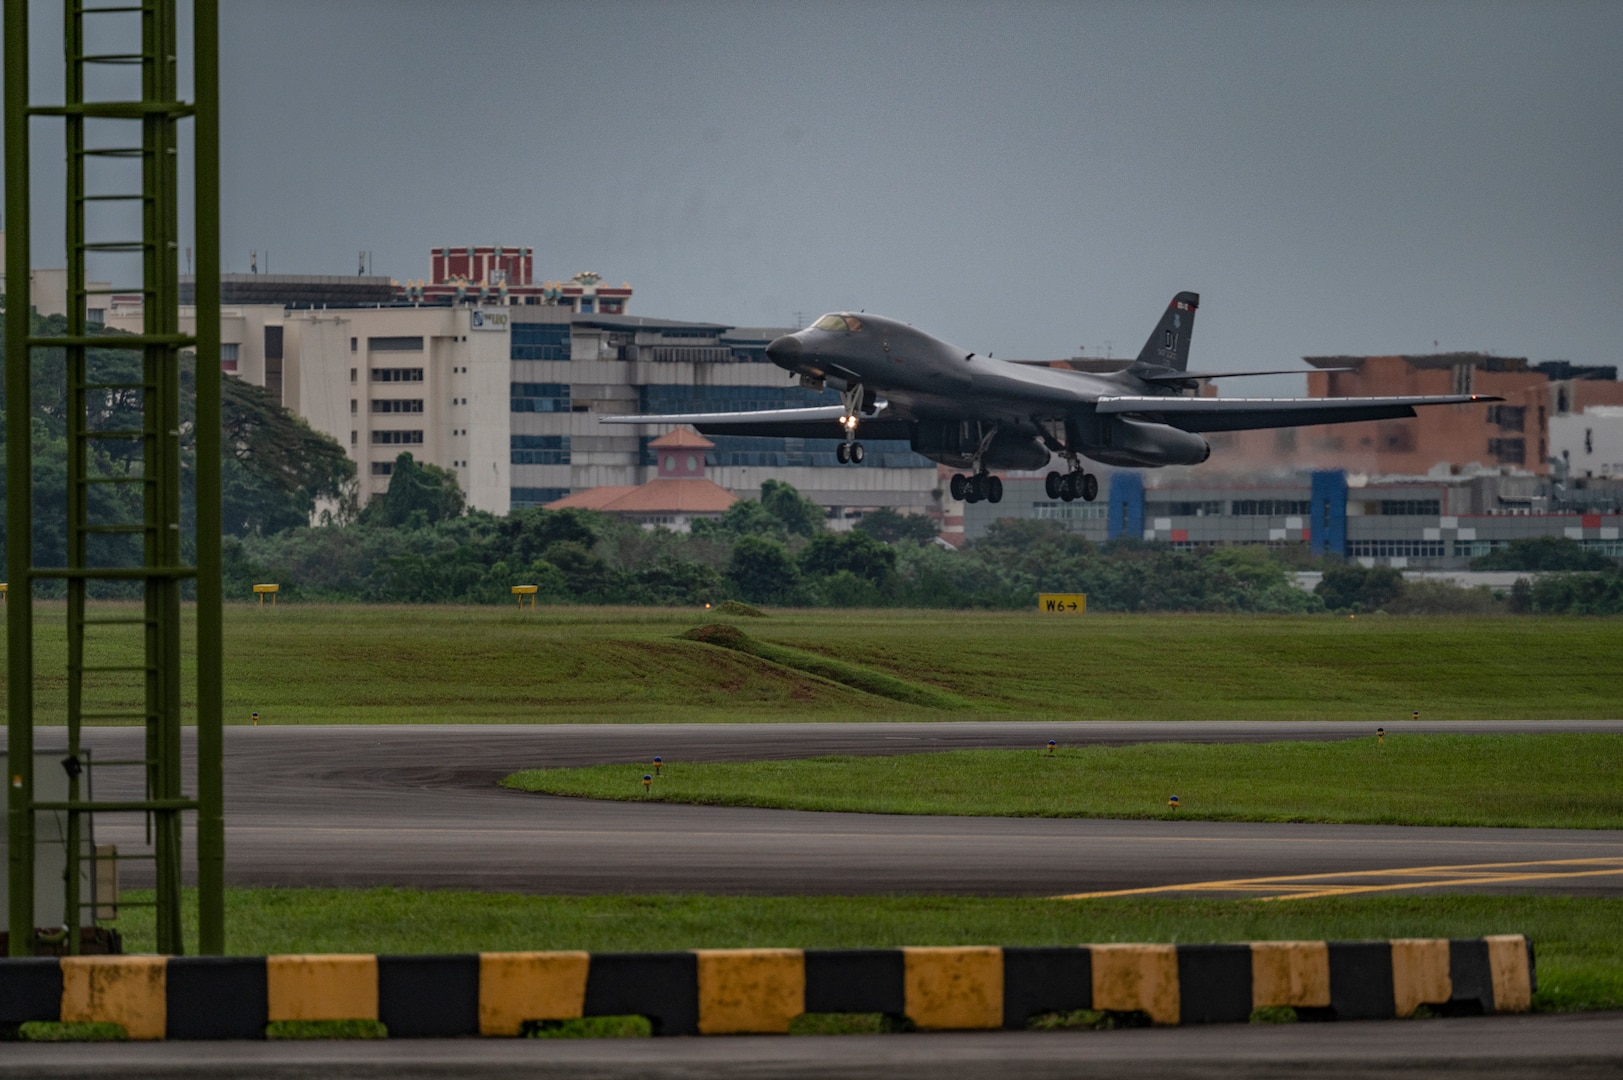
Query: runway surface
(419,806)
(1573,1047)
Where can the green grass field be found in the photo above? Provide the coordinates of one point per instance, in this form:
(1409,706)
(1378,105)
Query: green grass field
(301,664)
(1548,781)
(1580,952)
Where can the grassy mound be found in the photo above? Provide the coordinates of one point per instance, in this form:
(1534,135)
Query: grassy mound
(842,672)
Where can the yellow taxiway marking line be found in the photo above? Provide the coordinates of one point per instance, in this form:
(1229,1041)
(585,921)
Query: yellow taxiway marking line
(1298,885)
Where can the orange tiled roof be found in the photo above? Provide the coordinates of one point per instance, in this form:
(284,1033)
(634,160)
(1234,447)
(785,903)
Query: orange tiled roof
(665,496)
(682,439)
(590,499)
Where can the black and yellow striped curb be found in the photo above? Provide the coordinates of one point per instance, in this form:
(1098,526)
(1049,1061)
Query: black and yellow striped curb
(728,991)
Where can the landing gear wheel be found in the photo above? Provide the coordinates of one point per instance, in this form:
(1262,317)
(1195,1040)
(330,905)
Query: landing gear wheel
(994,489)
(1090,487)
(1067,487)
(958,487)
(842,453)
(973,490)
(1052,484)
(856,453)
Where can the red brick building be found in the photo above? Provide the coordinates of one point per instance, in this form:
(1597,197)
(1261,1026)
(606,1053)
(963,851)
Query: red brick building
(1514,432)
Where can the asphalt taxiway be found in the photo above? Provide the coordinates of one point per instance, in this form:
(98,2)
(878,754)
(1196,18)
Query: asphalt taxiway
(1585,1046)
(419,806)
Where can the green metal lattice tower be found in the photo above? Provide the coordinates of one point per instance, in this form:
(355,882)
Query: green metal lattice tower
(136,138)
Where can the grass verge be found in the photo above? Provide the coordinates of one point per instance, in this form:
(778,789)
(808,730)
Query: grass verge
(1580,952)
(422,664)
(1550,781)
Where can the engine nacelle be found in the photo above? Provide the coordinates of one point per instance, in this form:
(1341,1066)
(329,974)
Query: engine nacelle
(1138,443)
(953,443)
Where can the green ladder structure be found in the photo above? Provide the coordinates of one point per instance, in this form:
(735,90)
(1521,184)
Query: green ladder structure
(116,135)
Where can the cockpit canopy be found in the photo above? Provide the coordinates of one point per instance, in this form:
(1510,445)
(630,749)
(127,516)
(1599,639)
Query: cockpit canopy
(838,322)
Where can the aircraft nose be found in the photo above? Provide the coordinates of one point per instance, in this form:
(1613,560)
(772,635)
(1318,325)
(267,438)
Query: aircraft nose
(785,351)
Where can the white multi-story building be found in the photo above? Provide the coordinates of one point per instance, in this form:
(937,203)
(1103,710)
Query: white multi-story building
(508,396)
(1589,443)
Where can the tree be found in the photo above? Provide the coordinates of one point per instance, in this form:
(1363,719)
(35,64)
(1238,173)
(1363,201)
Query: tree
(761,570)
(893,528)
(856,552)
(418,495)
(800,516)
(1537,553)
(275,465)
(746,517)
(1358,588)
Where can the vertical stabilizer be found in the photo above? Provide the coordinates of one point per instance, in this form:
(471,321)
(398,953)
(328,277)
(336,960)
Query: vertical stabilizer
(1168,347)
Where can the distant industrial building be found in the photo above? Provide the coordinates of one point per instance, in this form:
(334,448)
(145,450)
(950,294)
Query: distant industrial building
(1438,523)
(1515,432)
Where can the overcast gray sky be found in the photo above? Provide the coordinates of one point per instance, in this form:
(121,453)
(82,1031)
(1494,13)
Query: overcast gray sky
(1022,178)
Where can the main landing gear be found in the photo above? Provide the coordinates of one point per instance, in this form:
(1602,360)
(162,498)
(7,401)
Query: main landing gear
(981,485)
(850,451)
(1068,487)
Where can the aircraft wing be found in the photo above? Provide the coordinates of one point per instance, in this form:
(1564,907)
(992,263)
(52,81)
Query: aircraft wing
(1191,376)
(1244,414)
(810,422)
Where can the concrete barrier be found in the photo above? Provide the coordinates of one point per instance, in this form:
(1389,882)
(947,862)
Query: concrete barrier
(729,991)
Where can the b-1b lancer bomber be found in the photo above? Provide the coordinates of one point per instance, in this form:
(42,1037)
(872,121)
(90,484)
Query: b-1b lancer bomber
(977,413)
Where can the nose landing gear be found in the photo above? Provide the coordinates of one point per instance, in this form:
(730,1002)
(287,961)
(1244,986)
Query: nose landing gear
(850,451)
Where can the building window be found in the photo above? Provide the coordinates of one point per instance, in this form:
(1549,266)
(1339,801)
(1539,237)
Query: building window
(401,405)
(1270,507)
(1508,417)
(397,374)
(396,438)
(536,496)
(382,468)
(354,438)
(1396,549)
(229,351)
(1212,508)
(1053,511)
(354,406)
(540,449)
(541,397)
(1508,451)
(351,374)
(395,344)
(1410,507)
(539,341)
(354,346)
